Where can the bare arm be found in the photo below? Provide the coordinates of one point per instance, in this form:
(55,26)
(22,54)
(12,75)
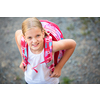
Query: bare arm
(18,36)
(68,45)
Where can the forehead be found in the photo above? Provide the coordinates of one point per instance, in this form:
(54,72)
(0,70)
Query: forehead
(33,31)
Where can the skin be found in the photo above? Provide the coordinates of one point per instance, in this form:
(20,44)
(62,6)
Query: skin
(34,38)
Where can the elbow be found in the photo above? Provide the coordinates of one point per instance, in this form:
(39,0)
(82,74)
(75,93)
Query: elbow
(17,33)
(17,36)
(74,44)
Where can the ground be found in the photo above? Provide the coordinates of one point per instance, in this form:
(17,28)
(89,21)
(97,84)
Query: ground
(82,68)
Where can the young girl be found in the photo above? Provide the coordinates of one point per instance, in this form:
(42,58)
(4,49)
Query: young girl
(34,35)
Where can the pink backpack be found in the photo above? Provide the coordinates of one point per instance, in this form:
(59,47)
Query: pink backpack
(54,35)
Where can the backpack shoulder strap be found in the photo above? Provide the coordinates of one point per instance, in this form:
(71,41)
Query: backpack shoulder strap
(48,52)
(48,49)
(24,48)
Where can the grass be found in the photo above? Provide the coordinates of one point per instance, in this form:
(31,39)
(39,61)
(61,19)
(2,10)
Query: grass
(85,32)
(85,21)
(66,80)
(71,27)
(17,78)
(96,39)
(84,27)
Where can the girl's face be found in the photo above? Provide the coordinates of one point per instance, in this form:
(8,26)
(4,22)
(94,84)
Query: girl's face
(34,38)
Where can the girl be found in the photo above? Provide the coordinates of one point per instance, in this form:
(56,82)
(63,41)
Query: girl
(34,35)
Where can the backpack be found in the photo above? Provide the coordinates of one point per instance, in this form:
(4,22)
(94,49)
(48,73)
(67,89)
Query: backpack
(54,34)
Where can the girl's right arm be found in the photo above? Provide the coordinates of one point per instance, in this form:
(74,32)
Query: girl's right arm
(18,36)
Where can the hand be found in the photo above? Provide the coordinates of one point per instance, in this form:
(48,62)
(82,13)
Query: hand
(56,73)
(24,68)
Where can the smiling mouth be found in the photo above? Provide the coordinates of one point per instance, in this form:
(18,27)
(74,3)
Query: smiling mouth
(35,45)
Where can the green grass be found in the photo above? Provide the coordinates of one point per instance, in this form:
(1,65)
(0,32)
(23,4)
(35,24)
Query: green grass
(66,80)
(71,27)
(85,20)
(17,78)
(85,32)
(96,39)
(84,27)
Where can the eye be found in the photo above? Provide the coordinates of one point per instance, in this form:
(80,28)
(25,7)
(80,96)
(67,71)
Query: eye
(37,35)
(29,37)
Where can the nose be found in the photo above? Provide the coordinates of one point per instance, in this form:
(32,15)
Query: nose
(34,40)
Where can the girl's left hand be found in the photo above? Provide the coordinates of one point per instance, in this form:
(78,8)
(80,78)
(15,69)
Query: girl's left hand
(56,73)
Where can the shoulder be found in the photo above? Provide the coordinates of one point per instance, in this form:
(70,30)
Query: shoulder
(18,35)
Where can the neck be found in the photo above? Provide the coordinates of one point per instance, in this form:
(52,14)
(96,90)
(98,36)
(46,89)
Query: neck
(36,51)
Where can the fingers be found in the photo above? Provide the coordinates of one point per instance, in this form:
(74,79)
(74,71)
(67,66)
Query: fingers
(24,68)
(54,75)
(50,72)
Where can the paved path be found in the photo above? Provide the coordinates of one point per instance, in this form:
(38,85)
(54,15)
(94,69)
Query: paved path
(83,66)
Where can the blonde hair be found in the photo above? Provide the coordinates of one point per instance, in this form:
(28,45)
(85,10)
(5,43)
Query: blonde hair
(30,23)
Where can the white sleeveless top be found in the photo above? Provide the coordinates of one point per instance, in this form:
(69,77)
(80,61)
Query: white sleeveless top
(43,75)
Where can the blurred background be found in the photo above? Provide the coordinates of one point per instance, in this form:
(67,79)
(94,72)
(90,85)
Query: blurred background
(82,68)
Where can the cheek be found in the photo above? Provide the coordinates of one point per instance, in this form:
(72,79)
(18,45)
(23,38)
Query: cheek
(41,40)
(29,42)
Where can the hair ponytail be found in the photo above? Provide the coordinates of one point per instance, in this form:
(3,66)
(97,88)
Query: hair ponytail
(45,32)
